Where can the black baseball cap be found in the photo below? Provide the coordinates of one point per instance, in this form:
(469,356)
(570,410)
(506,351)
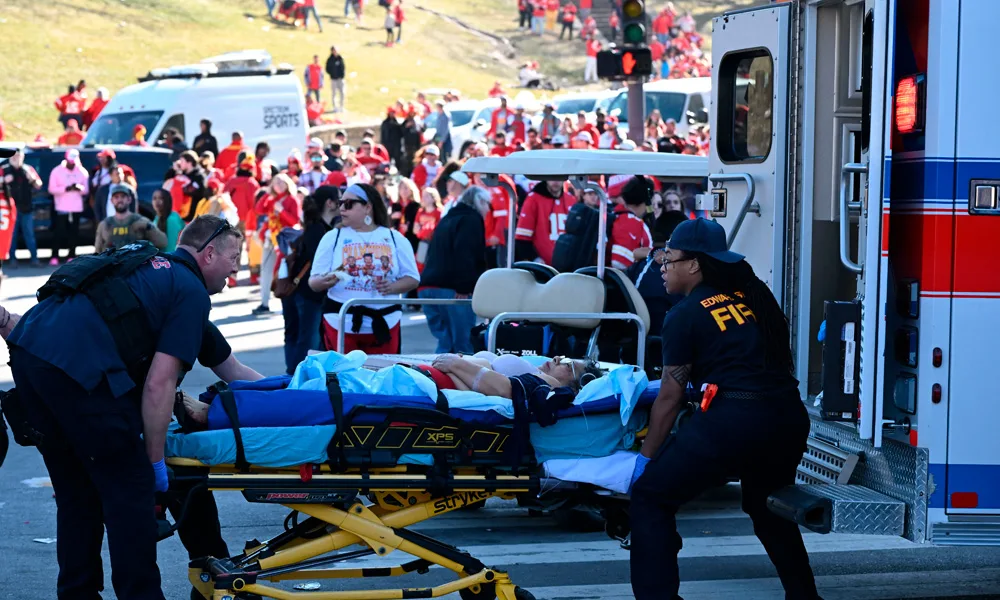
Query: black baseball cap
(704,236)
(7,152)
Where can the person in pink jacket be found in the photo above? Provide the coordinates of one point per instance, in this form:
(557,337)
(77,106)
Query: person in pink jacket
(68,184)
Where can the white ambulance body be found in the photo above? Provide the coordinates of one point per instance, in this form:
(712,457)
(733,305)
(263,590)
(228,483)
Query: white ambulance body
(859,173)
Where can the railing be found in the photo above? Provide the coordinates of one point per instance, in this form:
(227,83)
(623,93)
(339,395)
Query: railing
(748,206)
(342,315)
(495,322)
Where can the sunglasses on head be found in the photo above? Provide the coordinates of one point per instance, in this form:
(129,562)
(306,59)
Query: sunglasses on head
(224,226)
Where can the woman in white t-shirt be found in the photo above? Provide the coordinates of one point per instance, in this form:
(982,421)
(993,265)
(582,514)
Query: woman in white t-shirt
(364,258)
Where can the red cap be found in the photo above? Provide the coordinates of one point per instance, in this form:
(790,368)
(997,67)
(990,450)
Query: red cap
(616,184)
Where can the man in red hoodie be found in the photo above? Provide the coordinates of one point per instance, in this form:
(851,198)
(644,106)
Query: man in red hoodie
(228,155)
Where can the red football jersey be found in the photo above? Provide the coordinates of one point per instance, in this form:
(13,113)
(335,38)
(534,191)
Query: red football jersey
(542,221)
(628,233)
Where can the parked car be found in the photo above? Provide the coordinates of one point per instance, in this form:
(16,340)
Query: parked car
(149,164)
(568,105)
(685,101)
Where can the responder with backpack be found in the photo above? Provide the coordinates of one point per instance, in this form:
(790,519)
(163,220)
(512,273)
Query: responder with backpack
(96,363)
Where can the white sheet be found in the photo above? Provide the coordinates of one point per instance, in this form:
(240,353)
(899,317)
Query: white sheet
(609,472)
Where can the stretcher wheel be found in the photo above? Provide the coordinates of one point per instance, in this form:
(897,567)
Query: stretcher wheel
(487,591)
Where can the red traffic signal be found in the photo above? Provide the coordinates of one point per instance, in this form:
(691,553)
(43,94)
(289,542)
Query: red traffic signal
(619,63)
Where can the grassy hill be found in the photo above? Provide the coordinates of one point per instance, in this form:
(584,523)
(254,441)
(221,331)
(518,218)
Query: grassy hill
(52,44)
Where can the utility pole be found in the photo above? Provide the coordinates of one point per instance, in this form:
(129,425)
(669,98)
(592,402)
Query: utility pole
(636,111)
(634,35)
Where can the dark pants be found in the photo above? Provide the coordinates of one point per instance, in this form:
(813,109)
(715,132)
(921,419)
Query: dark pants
(303,328)
(310,335)
(567,27)
(65,230)
(200,530)
(101,476)
(759,442)
(451,324)
(290,314)
(25,225)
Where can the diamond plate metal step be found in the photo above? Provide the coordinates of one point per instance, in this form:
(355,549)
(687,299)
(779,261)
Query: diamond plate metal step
(859,510)
(966,534)
(825,463)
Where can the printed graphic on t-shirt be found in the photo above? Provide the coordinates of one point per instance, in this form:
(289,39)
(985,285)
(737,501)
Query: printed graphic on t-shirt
(368,264)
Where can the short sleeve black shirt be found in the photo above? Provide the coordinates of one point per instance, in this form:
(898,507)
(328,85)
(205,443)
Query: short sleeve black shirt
(214,347)
(717,334)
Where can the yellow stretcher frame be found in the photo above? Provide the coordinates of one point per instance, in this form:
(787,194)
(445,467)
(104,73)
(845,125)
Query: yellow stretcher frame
(401,499)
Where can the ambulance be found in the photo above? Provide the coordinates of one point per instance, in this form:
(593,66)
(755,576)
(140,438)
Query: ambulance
(859,171)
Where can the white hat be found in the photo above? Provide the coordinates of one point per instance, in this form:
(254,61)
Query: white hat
(559,139)
(461,178)
(433,150)
(627,145)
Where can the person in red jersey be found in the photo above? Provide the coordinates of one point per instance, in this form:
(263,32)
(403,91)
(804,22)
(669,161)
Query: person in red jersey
(542,221)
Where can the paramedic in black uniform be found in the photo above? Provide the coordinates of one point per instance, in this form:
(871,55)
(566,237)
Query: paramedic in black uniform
(78,394)
(728,331)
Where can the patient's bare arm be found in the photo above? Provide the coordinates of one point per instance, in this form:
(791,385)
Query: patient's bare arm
(489,382)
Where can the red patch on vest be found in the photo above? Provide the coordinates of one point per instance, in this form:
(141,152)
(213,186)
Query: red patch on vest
(159,262)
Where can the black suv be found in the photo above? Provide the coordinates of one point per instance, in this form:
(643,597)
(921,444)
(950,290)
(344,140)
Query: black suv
(150,166)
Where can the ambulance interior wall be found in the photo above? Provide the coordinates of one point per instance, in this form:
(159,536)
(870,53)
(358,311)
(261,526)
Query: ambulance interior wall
(837,115)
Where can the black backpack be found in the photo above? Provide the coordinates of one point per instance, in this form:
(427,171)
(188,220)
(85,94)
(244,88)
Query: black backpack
(577,247)
(101,277)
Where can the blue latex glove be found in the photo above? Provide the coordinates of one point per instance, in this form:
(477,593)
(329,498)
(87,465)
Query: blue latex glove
(640,466)
(822,331)
(160,473)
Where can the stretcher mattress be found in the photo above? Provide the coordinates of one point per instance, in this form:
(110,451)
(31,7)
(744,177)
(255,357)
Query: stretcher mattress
(587,430)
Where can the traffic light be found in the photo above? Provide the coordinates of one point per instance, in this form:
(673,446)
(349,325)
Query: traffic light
(624,63)
(634,22)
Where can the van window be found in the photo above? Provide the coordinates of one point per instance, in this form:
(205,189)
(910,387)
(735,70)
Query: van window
(696,110)
(571,106)
(117,128)
(175,122)
(746,103)
(461,117)
(670,105)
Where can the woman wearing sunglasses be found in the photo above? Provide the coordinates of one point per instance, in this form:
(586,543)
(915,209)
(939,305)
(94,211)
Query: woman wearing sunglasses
(364,258)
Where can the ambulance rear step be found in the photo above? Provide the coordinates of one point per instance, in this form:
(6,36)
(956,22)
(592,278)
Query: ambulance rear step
(969,531)
(823,501)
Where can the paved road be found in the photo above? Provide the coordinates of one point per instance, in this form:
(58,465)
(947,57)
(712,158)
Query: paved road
(721,558)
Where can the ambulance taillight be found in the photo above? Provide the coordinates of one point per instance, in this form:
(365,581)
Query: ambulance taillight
(909,115)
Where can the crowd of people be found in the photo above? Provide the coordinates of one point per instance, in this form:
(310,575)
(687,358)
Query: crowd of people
(297,13)
(674,43)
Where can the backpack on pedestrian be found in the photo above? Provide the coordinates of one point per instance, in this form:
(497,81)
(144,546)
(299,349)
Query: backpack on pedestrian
(577,247)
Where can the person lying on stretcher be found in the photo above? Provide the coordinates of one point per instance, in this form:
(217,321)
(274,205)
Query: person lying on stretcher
(489,374)
(485,373)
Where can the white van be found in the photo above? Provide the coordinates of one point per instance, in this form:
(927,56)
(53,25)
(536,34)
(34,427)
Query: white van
(683,100)
(236,91)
